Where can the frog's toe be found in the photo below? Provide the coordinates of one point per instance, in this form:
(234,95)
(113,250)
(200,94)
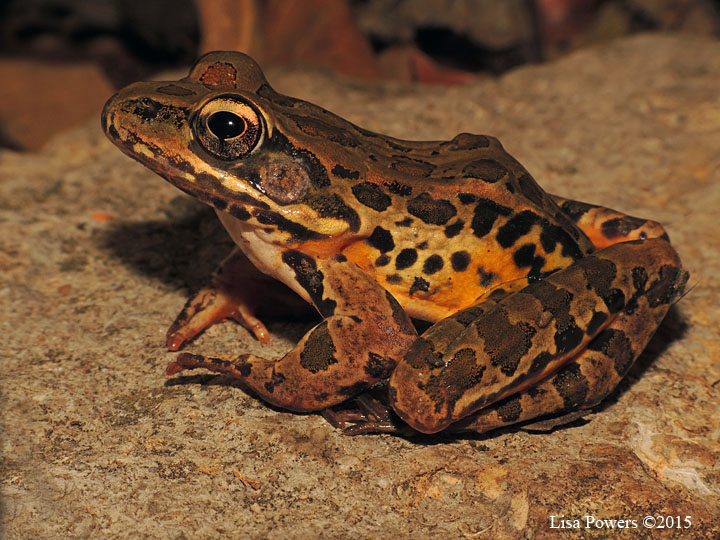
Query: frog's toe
(340,419)
(245,316)
(365,428)
(204,309)
(370,415)
(233,368)
(360,422)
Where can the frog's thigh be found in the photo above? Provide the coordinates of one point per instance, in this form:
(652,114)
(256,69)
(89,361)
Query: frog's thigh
(531,334)
(605,226)
(359,342)
(585,381)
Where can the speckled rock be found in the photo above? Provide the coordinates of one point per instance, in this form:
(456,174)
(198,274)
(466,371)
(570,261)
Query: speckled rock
(97,255)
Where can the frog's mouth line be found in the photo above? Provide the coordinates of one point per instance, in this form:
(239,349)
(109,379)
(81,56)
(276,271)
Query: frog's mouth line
(247,208)
(212,196)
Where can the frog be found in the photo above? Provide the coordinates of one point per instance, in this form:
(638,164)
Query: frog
(536,306)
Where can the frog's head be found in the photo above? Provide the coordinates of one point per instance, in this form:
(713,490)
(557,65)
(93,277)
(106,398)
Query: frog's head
(223,135)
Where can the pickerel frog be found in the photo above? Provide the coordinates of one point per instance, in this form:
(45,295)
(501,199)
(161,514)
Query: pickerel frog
(540,304)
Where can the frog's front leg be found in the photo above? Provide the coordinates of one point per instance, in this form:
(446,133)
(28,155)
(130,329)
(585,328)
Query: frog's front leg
(236,290)
(530,335)
(230,295)
(364,333)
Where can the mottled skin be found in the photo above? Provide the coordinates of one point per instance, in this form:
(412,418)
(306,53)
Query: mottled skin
(540,304)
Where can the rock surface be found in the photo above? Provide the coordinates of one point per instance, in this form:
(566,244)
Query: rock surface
(97,255)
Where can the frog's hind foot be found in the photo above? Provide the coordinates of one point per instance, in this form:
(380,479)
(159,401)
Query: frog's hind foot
(546,425)
(371,415)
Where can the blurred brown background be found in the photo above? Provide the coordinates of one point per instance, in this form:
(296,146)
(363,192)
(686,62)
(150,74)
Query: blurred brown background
(60,59)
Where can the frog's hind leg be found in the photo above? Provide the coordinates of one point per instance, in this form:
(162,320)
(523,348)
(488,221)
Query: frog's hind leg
(582,383)
(593,305)
(359,342)
(605,226)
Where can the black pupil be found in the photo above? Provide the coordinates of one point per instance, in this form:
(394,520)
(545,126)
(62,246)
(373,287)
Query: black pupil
(226,125)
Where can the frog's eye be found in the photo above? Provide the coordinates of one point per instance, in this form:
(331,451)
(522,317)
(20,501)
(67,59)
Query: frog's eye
(229,128)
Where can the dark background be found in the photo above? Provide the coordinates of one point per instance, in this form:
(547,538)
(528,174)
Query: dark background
(59,59)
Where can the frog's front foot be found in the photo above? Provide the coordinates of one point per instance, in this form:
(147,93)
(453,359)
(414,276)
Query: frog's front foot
(233,294)
(210,306)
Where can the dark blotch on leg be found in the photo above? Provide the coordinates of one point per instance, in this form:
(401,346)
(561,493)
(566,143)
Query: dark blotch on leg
(509,410)
(620,227)
(310,279)
(277,378)
(569,339)
(668,287)
(571,385)
(576,209)
(640,278)
(399,316)
(598,319)
(466,316)
(319,351)
(614,300)
(615,345)
(462,373)
(505,343)
(422,353)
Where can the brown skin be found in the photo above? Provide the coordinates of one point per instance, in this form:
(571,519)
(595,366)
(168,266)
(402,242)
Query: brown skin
(541,304)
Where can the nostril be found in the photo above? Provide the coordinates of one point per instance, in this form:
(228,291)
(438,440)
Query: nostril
(144,108)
